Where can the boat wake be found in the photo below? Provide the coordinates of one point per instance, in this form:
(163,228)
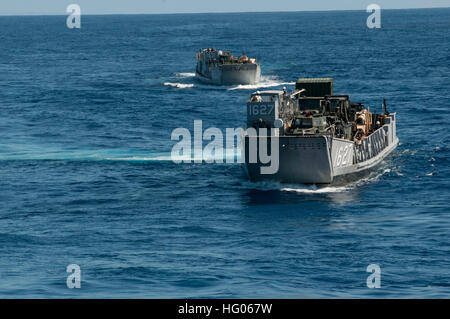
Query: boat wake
(316,189)
(179,85)
(34,153)
(266,82)
(185,75)
(187,80)
(223,156)
(293,188)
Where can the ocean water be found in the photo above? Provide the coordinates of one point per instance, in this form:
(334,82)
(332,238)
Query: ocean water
(86,177)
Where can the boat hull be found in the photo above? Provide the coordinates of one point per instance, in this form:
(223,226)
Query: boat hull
(233,74)
(322,159)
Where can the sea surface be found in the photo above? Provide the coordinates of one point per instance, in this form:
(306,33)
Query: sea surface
(86,176)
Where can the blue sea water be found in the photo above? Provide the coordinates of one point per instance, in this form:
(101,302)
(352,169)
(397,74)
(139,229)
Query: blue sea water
(86,178)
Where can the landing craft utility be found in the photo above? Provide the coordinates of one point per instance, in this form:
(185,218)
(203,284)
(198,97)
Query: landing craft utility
(221,68)
(320,138)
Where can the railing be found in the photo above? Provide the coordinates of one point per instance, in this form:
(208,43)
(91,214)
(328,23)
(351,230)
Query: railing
(372,145)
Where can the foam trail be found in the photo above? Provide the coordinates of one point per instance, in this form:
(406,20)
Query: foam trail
(185,75)
(179,85)
(222,156)
(265,82)
(296,188)
(260,86)
(80,155)
(313,189)
(316,190)
(50,153)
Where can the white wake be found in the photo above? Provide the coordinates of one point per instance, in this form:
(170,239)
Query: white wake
(316,189)
(187,81)
(266,82)
(179,85)
(185,75)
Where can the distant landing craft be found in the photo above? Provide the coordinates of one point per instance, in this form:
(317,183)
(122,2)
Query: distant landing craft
(221,68)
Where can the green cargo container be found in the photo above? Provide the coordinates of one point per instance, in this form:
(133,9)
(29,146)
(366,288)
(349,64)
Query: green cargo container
(315,86)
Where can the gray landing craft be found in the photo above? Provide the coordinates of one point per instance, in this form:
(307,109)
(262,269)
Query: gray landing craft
(321,138)
(221,68)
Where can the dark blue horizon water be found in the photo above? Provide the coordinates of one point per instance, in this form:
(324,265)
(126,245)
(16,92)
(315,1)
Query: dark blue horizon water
(86,177)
